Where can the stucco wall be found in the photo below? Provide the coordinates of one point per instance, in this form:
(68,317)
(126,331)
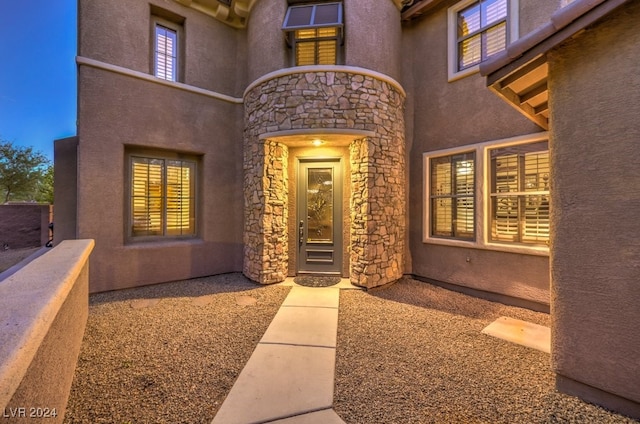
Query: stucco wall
(119,32)
(65,188)
(442,115)
(595,103)
(451,114)
(119,114)
(43,313)
(535,13)
(372,37)
(267,48)
(139,114)
(24,225)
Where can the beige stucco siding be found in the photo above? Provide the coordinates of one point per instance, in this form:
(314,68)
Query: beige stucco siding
(535,13)
(119,32)
(149,115)
(443,115)
(595,103)
(372,37)
(267,48)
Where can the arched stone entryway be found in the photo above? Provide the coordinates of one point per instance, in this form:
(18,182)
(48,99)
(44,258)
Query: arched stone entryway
(330,102)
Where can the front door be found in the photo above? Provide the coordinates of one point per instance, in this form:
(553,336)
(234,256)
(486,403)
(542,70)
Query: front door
(319,216)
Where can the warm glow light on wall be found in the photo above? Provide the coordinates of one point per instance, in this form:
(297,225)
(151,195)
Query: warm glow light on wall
(317,142)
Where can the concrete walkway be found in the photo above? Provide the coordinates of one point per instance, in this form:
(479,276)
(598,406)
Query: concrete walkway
(289,378)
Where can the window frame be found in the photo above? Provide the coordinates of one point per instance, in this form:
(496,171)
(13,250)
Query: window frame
(512,192)
(482,199)
(454,195)
(512,21)
(129,211)
(293,40)
(178,29)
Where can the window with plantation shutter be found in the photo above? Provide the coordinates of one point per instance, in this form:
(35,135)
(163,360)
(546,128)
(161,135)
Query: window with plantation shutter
(520,194)
(166,53)
(452,194)
(162,197)
(314,31)
(491,195)
(479,29)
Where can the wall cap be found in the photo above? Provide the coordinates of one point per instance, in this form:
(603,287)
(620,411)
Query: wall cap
(325,68)
(29,302)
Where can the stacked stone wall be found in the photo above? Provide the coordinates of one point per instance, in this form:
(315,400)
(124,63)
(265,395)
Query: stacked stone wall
(266,212)
(327,100)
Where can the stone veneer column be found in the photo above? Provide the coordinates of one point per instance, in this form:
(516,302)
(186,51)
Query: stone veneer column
(377,211)
(344,98)
(266,212)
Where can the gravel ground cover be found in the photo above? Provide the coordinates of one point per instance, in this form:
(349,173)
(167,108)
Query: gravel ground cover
(168,353)
(414,353)
(10,257)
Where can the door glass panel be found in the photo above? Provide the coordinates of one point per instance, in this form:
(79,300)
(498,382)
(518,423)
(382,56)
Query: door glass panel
(320,205)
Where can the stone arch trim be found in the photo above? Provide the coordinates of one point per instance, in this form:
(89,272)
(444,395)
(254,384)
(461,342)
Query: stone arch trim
(327,101)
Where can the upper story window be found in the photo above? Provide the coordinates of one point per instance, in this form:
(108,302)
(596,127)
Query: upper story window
(314,31)
(163,196)
(167,58)
(479,29)
(165,52)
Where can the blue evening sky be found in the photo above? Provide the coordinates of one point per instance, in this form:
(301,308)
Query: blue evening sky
(37,72)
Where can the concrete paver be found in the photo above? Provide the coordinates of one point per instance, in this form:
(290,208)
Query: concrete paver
(303,326)
(313,297)
(521,332)
(290,375)
(328,416)
(280,381)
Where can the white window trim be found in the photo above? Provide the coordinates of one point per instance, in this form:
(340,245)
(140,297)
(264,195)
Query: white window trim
(482,196)
(452,38)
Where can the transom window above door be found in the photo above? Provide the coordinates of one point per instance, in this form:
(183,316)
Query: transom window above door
(314,32)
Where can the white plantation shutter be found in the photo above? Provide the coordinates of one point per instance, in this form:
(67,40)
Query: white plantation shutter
(482,31)
(166,51)
(520,194)
(162,197)
(147,182)
(452,194)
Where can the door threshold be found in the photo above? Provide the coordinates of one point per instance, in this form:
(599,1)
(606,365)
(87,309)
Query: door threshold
(320,274)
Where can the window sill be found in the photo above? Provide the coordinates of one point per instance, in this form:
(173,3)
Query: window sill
(164,242)
(497,247)
(458,75)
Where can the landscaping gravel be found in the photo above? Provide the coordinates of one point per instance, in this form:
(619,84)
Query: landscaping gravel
(414,353)
(410,353)
(11,257)
(168,353)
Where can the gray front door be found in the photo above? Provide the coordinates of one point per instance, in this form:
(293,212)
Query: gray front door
(319,216)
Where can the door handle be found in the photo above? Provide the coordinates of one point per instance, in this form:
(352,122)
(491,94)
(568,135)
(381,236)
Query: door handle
(300,232)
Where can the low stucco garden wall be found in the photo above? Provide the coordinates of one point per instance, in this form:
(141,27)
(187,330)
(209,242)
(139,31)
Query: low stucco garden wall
(43,314)
(24,225)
